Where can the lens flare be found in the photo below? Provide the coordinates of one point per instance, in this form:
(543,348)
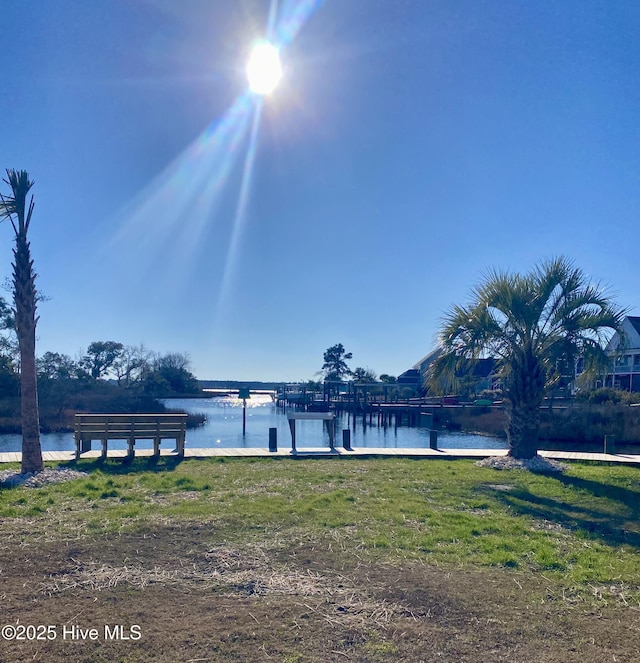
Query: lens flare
(292,16)
(176,209)
(240,216)
(264,70)
(189,188)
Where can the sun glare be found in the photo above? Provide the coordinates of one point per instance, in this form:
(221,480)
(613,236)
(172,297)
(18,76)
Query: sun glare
(264,70)
(193,186)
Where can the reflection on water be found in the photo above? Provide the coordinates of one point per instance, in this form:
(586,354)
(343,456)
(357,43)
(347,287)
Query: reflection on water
(224,429)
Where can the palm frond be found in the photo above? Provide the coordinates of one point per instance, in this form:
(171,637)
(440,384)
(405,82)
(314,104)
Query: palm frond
(536,325)
(16,204)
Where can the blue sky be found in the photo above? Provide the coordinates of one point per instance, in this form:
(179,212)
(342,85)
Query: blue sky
(412,145)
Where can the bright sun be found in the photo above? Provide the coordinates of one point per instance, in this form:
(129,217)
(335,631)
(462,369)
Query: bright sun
(264,70)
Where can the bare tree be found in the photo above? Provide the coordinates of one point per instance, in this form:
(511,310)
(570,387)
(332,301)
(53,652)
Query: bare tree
(132,364)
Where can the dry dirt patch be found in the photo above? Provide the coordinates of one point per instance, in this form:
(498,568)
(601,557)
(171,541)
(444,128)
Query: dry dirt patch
(230,571)
(308,601)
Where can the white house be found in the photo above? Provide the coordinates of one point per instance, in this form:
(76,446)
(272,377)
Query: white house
(624,372)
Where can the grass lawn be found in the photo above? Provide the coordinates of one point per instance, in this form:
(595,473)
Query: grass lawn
(303,561)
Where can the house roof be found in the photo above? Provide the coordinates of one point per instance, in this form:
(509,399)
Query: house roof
(427,360)
(411,376)
(478,368)
(629,333)
(635,321)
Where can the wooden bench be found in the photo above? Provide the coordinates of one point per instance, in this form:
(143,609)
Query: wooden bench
(129,427)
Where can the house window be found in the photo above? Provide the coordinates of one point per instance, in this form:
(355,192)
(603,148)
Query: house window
(622,362)
(636,361)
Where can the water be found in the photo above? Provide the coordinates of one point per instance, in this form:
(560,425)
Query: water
(224,429)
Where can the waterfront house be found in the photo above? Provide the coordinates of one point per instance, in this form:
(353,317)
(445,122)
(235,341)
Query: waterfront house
(475,376)
(411,378)
(624,349)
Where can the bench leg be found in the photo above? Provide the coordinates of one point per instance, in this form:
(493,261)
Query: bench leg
(156,446)
(130,442)
(82,445)
(292,426)
(104,450)
(331,429)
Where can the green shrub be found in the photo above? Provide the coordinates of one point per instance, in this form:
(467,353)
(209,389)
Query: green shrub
(608,397)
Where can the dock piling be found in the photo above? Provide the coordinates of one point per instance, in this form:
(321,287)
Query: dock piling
(273,439)
(609,444)
(433,439)
(346,439)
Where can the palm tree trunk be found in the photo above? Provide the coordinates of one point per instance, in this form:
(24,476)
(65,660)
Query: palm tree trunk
(31,448)
(15,209)
(523,426)
(25,302)
(525,394)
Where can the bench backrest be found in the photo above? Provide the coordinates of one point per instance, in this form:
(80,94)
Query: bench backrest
(137,425)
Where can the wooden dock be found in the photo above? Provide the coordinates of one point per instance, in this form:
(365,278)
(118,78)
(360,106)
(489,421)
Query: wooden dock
(324,452)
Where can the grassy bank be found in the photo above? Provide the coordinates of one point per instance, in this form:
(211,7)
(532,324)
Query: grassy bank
(328,560)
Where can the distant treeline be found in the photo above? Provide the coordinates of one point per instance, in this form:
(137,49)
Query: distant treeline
(61,400)
(108,377)
(241,384)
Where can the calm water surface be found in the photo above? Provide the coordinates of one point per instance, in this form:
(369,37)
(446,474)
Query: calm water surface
(224,429)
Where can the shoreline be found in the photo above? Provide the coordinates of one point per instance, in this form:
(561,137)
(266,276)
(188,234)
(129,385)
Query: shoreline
(310,453)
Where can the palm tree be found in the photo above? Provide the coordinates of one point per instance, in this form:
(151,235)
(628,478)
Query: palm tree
(532,324)
(14,208)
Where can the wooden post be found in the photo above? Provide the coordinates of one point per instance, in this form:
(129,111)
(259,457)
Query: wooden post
(244,416)
(346,439)
(365,404)
(292,426)
(273,439)
(244,393)
(609,444)
(433,439)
